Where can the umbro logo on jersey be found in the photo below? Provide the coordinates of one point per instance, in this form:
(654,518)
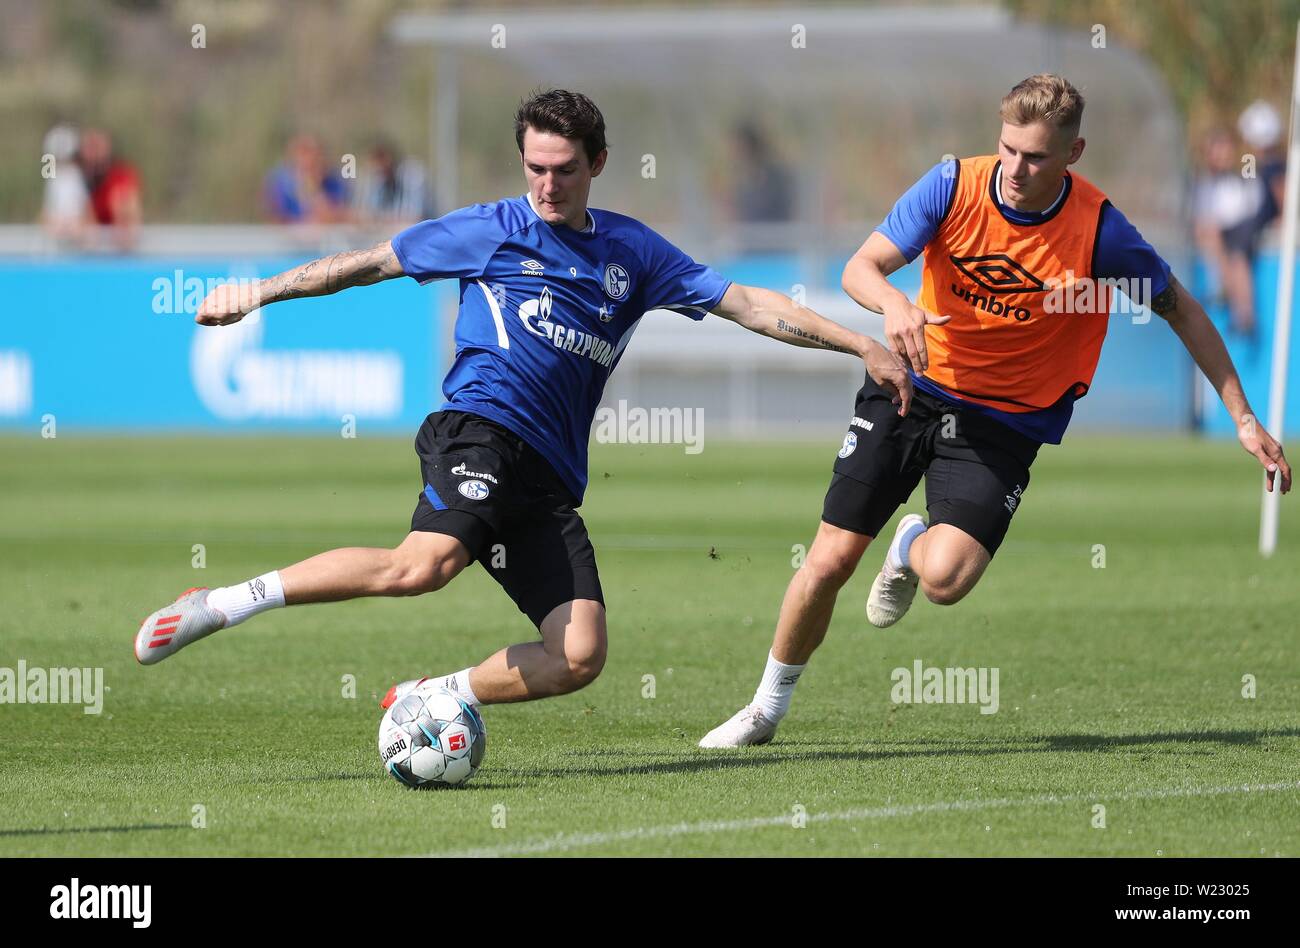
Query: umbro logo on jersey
(861,423)
(998,273)
(532,268)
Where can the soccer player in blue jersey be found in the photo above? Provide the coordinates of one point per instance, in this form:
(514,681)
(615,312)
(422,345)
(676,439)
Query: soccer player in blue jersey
(551,292)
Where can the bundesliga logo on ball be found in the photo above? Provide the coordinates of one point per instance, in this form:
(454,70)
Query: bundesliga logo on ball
(431,738)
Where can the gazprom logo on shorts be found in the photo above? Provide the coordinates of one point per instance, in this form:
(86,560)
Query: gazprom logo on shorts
(460,470)
(617,282)
(536,317)
(474,490)
(850,444)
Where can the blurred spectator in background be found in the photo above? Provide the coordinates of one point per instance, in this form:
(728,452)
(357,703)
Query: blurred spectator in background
(1261,130)
(762,188)
(304,189)
(1226,206)
(114,188)
(390,192)
(65,210)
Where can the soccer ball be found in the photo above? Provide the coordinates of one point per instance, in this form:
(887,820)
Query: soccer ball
(431,738)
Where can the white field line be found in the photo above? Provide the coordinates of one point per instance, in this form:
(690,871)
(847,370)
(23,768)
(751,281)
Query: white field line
(567,841)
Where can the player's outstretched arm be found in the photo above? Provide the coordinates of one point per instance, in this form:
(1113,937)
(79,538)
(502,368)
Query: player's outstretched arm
(773,314)
(865,279)
(230,303)
(1187,318)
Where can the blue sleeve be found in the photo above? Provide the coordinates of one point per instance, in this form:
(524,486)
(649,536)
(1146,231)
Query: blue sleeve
(1122,253)
(917,215)
(672,280)
(278,195)
(458,244)
(336,188)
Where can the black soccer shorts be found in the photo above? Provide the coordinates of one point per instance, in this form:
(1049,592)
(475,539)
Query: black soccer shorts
(975,467)
(488,488)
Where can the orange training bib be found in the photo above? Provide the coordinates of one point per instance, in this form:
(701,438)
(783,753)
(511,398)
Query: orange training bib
(1004,347)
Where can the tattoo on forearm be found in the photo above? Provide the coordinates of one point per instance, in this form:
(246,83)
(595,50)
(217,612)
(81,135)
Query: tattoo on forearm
(302,280)
(800,333)
(331,274)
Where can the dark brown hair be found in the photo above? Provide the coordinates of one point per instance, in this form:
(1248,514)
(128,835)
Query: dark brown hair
(567,114)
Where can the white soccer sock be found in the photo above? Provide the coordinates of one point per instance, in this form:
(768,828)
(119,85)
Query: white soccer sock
(777,688)
(248,599)
(459,683)
(900,549)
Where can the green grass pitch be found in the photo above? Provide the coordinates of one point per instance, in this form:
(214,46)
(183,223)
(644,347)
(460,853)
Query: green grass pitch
(1120,687)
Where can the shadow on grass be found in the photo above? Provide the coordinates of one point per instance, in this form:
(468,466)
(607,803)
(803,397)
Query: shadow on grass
(315,778)
(380,777)
(67,831)
(781,752)
(1071,742)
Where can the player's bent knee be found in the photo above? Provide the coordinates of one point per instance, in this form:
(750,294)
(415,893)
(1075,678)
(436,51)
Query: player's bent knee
(585,668)
(576,639)
(585,655)
(944,593)
(580,667)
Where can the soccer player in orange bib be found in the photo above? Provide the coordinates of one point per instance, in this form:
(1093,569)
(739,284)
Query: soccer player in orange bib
(1020,259)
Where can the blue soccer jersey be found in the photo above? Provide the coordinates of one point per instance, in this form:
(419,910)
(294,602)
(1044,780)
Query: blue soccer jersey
(546,311)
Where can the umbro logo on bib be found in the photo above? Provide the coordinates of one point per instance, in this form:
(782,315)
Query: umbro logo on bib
(998,273)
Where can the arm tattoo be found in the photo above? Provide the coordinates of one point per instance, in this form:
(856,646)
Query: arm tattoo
(812,338)
(331,274)
(1166,301)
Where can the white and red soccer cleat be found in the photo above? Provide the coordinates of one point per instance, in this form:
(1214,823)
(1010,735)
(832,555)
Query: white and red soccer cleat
(400,690)
(173,627)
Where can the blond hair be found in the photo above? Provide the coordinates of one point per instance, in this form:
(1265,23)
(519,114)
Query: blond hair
(1044,98)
